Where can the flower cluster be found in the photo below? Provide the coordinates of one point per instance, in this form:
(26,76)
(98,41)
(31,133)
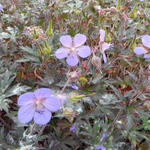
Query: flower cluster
(73,47)
(145,50)
(103,45)
(37,105)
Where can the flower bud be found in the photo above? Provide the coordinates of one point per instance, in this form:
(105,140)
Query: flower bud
(96,61)
(147,105)
(73,75)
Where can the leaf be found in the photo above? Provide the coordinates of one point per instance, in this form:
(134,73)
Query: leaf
(49,30)
(132,13)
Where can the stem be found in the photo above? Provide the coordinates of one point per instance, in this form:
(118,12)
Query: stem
(61,92)
(67,82)
(31,132)
(113,124)
(40,133)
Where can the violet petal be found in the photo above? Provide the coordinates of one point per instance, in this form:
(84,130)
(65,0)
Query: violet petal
(147,56)
(102,35)
(42,93)
(72,60)
(61,53)
(52,104)
(140,50)
(26,113)
(84,51)
(42,117)
(66,41)
(25,99)
(146,40)
(100,147)
(105,46)
(104,58)
(79,40)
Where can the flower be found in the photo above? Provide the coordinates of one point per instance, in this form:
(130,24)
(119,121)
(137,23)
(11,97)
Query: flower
(73,47)
(103,45)
(73,85)
(1,7)
(148,78)
(37,105)
(96,61)
(144,50)
(72,128)
(103,136)
(100,147)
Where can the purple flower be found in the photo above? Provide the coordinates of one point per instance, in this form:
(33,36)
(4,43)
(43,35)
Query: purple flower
(73,85)
(37,105)
(148,78)
(100,147)
(73,47)
(72,128)
(131,7)
(104,45)
(143,50)
(1,7)
(149,67)
(103,136)
(124,38)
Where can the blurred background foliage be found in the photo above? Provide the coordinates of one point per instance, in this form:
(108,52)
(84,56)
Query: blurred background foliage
(109,99)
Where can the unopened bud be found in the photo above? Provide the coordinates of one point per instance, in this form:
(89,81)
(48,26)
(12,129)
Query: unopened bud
(147,105)
(68,112)
(73,75)
(96,61)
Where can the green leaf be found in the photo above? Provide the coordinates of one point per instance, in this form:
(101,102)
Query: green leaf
(49,30)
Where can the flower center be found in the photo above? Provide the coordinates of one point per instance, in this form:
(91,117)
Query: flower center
(39,104)
(73,51)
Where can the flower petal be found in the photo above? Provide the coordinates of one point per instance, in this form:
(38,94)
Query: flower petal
(72,60)
(100,147)
(105,46)
(61,53)
(25,99)
(66,41)
(26,113)
(52,104)
(140,50)
(147,56)
(42,93)
(79,40)
(43,117)
(146,40)
(104,58)
(84,51)
(1,7)
(148,78)
(102,35)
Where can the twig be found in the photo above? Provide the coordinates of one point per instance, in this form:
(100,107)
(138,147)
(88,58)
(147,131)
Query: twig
(35,73)
(113,124)
(67,82)
(40,133)
(32,129)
